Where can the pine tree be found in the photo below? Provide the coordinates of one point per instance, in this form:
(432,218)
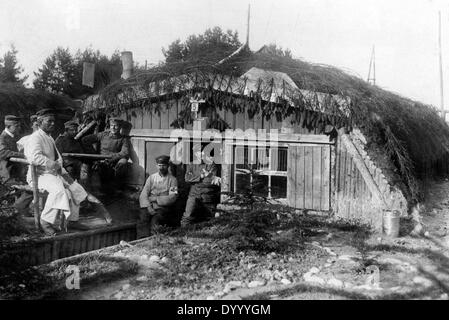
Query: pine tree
(9,69)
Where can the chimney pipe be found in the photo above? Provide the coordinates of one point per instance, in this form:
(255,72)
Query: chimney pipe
(127,63)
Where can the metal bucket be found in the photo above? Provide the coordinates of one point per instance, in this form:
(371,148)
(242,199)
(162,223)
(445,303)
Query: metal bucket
(391,223)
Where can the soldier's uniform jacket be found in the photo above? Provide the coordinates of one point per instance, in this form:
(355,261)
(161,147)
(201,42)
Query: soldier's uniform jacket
(116,145)
(200,176)
(66,144)
(8,149)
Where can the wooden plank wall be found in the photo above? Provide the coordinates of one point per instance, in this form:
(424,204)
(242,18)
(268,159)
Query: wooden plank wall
(308,175)
(353,199)
(141,118)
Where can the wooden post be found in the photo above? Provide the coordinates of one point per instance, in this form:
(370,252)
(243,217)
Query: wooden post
(35,197)
(441,67)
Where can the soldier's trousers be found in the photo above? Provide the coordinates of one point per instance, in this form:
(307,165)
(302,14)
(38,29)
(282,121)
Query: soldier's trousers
(148,223)
(201,204)
(113,175)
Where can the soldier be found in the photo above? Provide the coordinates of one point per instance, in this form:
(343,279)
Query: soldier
(204,189)
(67,144)
(13,173)
(158,197)
(112,143)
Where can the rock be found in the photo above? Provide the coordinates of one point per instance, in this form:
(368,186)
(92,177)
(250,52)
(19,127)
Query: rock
(345,257)
(22,285)
(256,283)
(290,273)
(308,277)
(422,281)
(234,284)
(219,294)
(154,258)
(444,296)
(118,254)
(144,257)
(335,282)
(165,260)
(126,286)
(125,244)
(177,292)
(142,279)
(210,298)
(327,265)
(217,214)
(314,270)
(286,281)
(118,296)
(426,234)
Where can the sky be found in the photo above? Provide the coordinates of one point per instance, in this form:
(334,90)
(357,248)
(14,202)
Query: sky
(334,32)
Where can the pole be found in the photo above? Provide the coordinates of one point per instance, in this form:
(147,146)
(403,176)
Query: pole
(35,197)
(374,65)
(247,26)
(441,66)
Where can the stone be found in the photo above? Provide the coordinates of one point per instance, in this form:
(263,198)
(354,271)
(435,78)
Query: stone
(118,296)
(345,257)
(210,298)
(286,281)
(423,281)
(314,270)
(126,286)
(219,294)
(256,283)
(142,279)
(144,257)
(290,273)
(313,278)
(444,296)
(335,282)
(154,258)
(165,260)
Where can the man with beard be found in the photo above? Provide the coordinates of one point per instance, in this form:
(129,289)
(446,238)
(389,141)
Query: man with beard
(158,197)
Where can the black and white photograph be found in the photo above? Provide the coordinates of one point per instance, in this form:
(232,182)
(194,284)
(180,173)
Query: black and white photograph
(228,153)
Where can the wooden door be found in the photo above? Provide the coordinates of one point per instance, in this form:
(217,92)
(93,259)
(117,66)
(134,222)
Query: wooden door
(308,172)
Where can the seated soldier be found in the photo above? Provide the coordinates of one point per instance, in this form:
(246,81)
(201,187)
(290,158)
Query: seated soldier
(112,171)
(12,173)
(67,144)
(158,197)
(204,190)
(64,194)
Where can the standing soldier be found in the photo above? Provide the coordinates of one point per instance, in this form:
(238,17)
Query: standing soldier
(112,143)
(158,197)
(67,144)
(13,173)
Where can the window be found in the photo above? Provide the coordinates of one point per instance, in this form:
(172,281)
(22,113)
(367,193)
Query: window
(269,163)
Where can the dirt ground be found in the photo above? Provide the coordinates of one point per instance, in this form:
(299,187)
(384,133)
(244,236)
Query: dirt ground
(275,253)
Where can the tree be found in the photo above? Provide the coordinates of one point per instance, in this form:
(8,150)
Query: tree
(213,44)
(58,73)
(9,69)
(62,72)
(273,49)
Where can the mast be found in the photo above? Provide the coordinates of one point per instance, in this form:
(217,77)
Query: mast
(247,26)
(441,66)
(372,66)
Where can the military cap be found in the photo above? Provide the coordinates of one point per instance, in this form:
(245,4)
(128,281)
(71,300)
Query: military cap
(46,112)
(70,124)
(10,119)
(163,159)
(114,119)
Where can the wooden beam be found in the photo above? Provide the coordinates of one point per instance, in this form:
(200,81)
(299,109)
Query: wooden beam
(360,163)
